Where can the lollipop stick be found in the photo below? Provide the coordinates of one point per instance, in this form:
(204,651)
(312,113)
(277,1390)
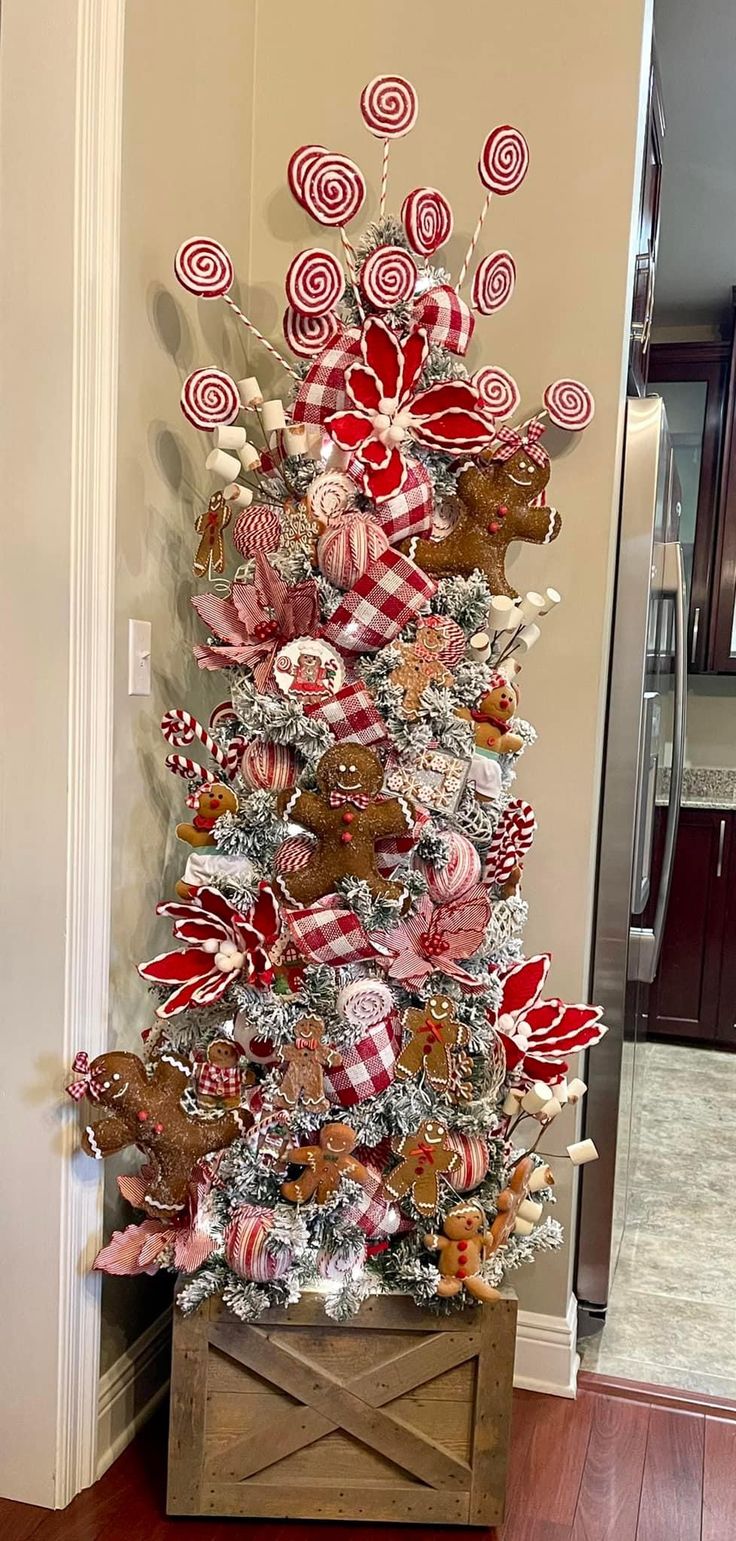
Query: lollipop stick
(474,241)
(254,329)
(350,260)
(384,178)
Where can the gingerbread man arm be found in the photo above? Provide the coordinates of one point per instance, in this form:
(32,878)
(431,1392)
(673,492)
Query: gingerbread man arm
(108,1136)
(349,1167)
(392,817)
(171,1074)
(304,808)
(435,1243)
(303,1155)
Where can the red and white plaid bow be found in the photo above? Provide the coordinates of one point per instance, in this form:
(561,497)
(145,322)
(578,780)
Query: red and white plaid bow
(358,799)
(90,1083)
(512,442)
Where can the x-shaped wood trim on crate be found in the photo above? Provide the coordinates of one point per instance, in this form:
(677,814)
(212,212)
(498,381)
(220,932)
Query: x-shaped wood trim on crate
(357,1405)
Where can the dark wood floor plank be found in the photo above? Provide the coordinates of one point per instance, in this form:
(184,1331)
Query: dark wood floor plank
(672,1488)
(719,1480)
(19,1521)
(548,1447)
(608,1501)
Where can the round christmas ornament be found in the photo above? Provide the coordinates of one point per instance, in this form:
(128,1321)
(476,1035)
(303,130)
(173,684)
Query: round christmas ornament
(340,1265)
(308,335)
(246,1246)
(569,404)
(498,391)
(389,105)
(257,1048)
(347,548)
(388,277)
(258,529)
(269,767)
(427,219)
(293,854)
(314,282)
(329,495)
(299,164)
(473,1160)
(309,670)
(504,160)
(333,189)
(372,1212)
(210,397)
(366,1002)
(493,282)
(462,871)
(204,268)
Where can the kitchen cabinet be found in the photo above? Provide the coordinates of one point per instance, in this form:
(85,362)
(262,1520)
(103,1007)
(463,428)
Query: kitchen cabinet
(694,993)
(646,256)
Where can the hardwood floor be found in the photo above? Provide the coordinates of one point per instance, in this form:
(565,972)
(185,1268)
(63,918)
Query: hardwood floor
(602,1468)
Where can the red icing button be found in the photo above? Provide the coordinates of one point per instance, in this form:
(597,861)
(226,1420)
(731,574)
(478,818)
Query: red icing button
(462,1273)
(348,817)
(494,528)
(158,1128)
(502,510)
(420,1169)
(142,1115)
(346,838)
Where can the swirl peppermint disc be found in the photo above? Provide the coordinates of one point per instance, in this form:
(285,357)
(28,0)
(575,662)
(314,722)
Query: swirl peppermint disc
(389,106)
(210,398)
(493,282)
(334,189)
(388,276)
(204,267)
(504,160)
(498,390)
(427,219)
(569,404)
(314,282)
(308,335)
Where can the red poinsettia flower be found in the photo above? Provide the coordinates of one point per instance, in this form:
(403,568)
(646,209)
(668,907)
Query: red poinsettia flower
(388,411)
(537,1035)
(222,945)
(435,936)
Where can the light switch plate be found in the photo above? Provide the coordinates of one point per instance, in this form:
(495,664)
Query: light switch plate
(139,658)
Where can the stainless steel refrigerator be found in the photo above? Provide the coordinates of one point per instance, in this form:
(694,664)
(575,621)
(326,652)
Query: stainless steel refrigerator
(645,729)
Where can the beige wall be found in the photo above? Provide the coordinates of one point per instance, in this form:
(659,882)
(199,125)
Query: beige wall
(711,722)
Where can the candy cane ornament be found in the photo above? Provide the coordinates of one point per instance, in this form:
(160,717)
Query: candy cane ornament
(180,728)
(389,106)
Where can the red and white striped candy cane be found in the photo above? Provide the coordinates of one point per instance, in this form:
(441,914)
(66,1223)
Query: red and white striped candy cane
(189,770)
(180,728)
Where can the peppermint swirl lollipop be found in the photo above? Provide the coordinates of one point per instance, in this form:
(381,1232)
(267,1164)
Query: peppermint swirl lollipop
(388,276)
(493,282)
(569,404)
(498,391)
(427,219)
(204,267)
(308,335)
(329,495)
(504,160)
(314,282)
(389,106)
(333,189)
(298,167)
(210,398)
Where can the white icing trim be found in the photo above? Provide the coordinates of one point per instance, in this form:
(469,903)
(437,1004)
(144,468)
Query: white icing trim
(169,1059)
(168,1207)
(96,1152)
(405,807)
(296,794)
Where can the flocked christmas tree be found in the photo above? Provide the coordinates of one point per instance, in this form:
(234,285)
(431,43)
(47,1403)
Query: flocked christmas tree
(348,1033)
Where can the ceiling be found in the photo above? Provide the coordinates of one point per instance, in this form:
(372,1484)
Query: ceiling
(696,45)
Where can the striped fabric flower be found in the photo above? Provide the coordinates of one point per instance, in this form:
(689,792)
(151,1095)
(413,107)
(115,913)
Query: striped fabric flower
(538,1035)
(221,944)
(435,936)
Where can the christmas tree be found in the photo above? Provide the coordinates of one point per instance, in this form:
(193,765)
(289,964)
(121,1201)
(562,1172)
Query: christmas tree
(347,1032)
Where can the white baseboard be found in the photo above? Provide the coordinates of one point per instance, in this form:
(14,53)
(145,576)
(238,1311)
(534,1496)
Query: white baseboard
(131,1389)
(546,1352)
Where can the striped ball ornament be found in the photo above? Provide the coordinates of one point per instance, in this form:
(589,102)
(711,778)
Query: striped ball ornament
(246,1250)
(269,767)
(474,1159)
(347,548)
(462,871)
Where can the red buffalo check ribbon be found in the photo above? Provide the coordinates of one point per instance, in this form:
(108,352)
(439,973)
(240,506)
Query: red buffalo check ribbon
(511,442)
(357,799)
(90,1084)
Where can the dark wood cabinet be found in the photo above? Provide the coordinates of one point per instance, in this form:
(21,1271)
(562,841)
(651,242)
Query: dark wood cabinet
(694,993)
(642,306)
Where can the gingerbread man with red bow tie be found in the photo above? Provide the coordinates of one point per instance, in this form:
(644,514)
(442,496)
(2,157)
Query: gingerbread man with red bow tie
(434,1032)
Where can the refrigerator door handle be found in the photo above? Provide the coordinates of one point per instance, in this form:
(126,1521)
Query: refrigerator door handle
(646,944)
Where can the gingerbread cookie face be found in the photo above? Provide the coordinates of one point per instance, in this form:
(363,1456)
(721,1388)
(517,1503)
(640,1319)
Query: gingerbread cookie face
(325,1165)
(213,800)
(347,820)
(425,1158)
(305,1060)
(146,1111)
(434,1032)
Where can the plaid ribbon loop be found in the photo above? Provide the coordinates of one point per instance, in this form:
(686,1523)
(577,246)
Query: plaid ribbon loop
(356,799)
(90,1084)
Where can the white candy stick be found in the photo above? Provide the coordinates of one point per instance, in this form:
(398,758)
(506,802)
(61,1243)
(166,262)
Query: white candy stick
(500,612)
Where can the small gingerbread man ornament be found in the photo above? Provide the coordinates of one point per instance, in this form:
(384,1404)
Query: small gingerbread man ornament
(213,800)
(422,663)
(425,1157)
(347,819)
(492,715)
(325,1165)
(434,1032)
(209,525)
(146,1111)
(218,1077)
(462,1247)
(306,1059)
(510,1201)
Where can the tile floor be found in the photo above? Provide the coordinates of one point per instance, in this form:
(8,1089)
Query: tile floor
(672,1310)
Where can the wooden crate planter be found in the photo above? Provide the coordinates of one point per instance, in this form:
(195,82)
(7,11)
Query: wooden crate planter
(396,1416)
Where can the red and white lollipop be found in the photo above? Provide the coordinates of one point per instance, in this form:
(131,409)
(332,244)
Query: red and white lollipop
(210,398)
(388,276)
(314,282)
(389,105)
(333,189)
(504,160)
(298,167)
(308,335)
(569,405)
(427,219)
(204,268)
(498,391)
(493,282)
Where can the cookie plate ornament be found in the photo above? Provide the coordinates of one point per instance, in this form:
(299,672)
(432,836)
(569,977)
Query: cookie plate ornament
(308,670)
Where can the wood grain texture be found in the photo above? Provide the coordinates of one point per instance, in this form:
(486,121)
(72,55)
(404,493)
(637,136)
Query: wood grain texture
(719,1480)
(547,1471)
(672,1487)
(493,1414)
(608,1500)
(18,1521)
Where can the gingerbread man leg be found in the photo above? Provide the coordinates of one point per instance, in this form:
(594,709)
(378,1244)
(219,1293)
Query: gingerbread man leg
(327,1184)
(437,1065)
(301,1189)
(480,1288)
(426,1193)
(411,1059)
(447,1287)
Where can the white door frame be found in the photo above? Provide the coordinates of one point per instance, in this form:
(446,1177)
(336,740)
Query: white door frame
(61,73)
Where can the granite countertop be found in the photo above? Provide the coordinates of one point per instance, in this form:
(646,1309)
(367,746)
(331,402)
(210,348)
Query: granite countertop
(704,786)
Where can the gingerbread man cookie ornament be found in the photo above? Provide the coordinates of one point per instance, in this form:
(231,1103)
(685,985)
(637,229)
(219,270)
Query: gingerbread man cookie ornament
(497,504)
(425,1157)
(462,1248)
(347,819)
(146,1111)
(218,1077)
(209,525)
(509,1202)
(306,1059)
(421,664)
(212,801)
(492,715)
(325,1165)
(434,1032)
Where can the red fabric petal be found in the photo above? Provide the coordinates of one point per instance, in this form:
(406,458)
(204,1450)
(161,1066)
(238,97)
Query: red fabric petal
(461,925)
(221,617)
(514,1055)
(384,483)
(376,454)
(204,929)
(454,430)
(212,988)
(363,386)
(523,983)
(544,1070)
(446,396)
(186,995)
(265,916)
(540,1018)
(381,352)
(170,968)
(415,349)
(350,430)
(215,903)
(192,1248)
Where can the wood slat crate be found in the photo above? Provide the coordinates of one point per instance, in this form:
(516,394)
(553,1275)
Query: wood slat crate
(397,1416)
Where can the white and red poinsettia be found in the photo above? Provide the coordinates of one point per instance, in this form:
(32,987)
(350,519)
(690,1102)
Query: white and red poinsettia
(256,621)
(435,936)
(147,1246)
(538,1035)
(222,944)
(389,411)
